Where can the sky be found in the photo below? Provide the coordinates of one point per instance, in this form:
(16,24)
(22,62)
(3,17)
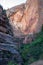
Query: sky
(10,3)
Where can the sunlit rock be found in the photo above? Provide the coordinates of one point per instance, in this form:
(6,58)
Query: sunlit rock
(26,18)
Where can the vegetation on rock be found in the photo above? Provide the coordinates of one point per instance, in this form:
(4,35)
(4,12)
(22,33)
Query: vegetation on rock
(33,51)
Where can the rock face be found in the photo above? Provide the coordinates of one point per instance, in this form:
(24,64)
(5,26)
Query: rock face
(7,41)
(26,18)
(40,62)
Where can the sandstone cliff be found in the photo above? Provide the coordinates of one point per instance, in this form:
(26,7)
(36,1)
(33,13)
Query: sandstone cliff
(26,18)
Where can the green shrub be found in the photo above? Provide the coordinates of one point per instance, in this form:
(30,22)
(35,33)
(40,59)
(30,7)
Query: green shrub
(11,63)
(34,51)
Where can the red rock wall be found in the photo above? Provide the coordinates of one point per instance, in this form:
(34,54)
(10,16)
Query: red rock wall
(29,19)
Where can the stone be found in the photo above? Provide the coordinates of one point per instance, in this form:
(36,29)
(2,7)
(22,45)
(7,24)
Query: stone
(3,29)
(26,18)
(40,62)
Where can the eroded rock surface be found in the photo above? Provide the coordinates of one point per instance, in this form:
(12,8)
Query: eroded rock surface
(40,62)
(26,18)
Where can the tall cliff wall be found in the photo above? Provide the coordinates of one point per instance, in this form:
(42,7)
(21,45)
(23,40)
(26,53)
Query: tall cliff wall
(26,18)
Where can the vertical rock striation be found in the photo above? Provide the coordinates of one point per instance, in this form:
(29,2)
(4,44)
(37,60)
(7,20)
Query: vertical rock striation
(26,18)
